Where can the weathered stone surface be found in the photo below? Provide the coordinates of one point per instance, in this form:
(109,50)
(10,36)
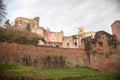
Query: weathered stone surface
(102,52)
(56,36)
(52,38)
(39,56)
(32,25)
(75,41)
(116,29)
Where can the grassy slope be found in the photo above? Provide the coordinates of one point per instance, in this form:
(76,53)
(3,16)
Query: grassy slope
(13,72)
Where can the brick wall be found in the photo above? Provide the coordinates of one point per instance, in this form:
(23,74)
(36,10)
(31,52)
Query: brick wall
(44,57)
(39,56)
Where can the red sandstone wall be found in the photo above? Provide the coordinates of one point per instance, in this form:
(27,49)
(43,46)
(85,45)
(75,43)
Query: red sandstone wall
(38,56)
(116,29)
(13,53)
(106,62)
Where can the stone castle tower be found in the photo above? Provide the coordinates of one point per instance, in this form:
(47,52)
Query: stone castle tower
(116,29)
(25,23)
(32,25)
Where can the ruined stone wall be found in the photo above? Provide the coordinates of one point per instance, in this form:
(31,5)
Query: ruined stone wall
(56,36)
(39,56)
(116,29)
(40,31)
(32,25)
(102,52)
(72,41)
(22,23)
(36,21)
(67,42)
(87,34)
(75,40)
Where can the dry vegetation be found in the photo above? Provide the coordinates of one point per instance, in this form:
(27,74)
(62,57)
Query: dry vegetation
(23,37)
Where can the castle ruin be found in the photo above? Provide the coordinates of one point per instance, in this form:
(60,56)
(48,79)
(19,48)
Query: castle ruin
(93,49)
(53,39)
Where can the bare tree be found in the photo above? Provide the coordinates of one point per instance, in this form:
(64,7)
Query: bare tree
(2,10)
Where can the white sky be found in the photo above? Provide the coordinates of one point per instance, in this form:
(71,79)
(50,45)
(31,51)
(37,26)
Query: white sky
(67,15)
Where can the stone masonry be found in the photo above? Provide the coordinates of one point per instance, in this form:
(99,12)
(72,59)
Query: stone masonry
(53,39)
(100,50)
(116,29)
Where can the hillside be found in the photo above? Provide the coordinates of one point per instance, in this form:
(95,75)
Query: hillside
(23,37)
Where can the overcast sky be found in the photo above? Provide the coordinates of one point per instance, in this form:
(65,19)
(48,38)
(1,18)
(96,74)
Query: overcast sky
(67,15)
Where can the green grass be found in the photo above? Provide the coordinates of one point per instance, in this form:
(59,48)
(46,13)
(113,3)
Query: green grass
(14,72)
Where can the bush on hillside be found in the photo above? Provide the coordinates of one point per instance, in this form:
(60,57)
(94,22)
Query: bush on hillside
(23,37)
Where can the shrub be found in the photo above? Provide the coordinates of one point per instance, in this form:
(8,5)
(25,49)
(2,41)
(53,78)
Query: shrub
(22,37)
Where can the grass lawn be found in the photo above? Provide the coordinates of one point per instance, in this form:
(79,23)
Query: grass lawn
(14,72)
